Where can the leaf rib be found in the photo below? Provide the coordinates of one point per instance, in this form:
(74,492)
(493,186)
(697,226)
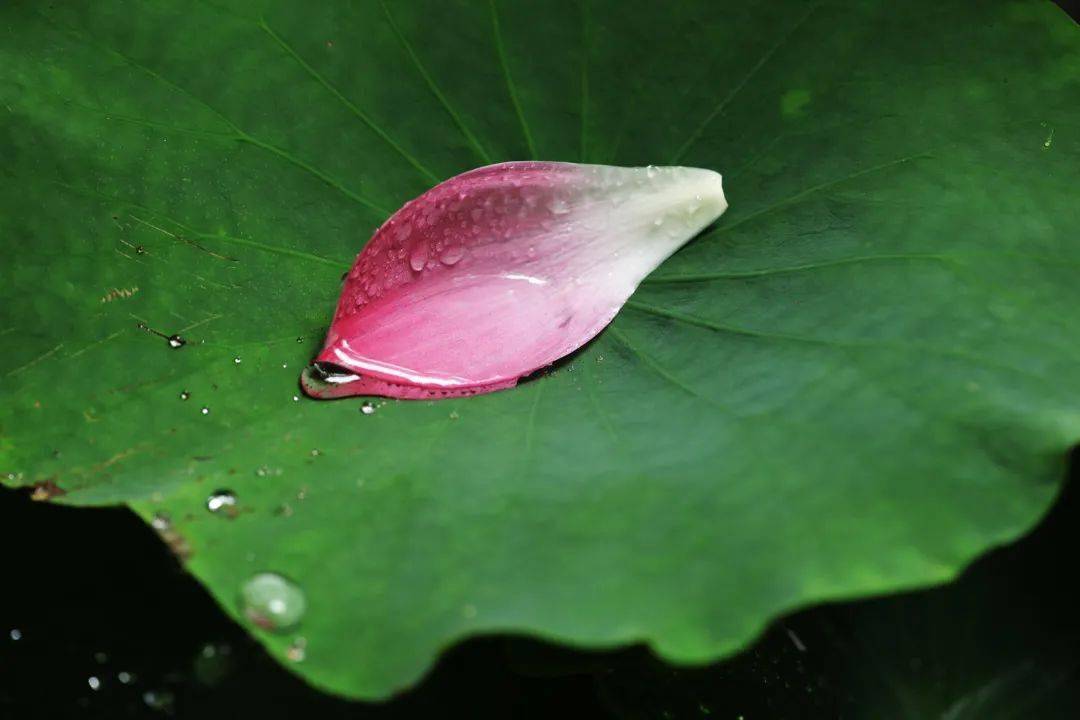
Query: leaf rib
(510,86)
(726,100)
(469,137)
(372,125)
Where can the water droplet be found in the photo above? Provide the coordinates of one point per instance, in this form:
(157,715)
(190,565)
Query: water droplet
(237,360)
(205,410)
(184,395)
(161,522)
(284,364)
(451,255)
(94,682)
(558,206)
(300,339)
(367,408)
(125,677)
(175,341)
(15,634)
(159,700)
(272,602)
(419,257)
(315,452)
(140,250)
(297,650)
(454,415)
(221,500)
(296,398)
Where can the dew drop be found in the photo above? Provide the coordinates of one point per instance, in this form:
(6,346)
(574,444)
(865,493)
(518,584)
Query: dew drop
(367,408)
(297,650)
(272,602)
(94,682)
(296,398)
(125,677)
(175,341)
(205,410)
(159,700)
(15,634)
(419,257)
(300,339)
(184,395)
(161,522)
(451,255)
(558,206)
(140,250)
(284,364)
(316,452)
(221,500)
(237,360)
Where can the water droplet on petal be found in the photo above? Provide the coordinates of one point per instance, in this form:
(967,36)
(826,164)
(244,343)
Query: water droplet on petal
(558,206)
(175,341)
(221,500)
(205,410)
(296,398)
(367,408)
(419,257)
(94,682)
(237,360)
(452,255)
(272,602)
(184,395)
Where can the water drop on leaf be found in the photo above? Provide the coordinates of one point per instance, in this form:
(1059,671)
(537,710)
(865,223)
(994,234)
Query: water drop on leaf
(221,500)
(272,602)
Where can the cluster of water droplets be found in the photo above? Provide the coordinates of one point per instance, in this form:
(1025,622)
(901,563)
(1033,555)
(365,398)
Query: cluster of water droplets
(447,225)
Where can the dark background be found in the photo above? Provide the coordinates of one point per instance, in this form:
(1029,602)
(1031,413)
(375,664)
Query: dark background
(94,594)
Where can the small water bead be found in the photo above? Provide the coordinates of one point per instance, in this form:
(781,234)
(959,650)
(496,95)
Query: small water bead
(15,634)
(272,602)
(175,341)
(451,255)
(205,410)
(161,522)
(221,500)
(284,364)
(419,257)
(184,395)
(296,398)
(159,700)
(94,682)
(125,677)
(297,650)
(558,206)
(236,360)
(367,408)
(316,452)
(300,339)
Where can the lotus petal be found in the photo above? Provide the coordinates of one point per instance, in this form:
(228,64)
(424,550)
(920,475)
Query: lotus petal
(501,271)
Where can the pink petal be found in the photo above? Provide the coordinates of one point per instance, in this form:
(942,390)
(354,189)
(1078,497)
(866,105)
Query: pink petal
(501,271)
